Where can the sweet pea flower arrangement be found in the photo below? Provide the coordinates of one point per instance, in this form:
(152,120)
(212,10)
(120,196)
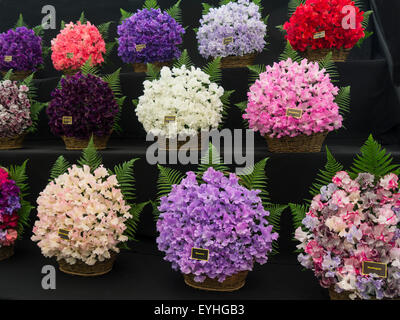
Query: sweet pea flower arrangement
(75,44)
(150,35)
(227,214)
(94,206)
(92,103)
(14,210)
(312,17)
(240,20)
(191,95)
(295,83)
(20,50)
(354,219)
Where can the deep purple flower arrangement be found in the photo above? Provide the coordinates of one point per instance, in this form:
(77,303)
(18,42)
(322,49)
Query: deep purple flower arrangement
(20,50)
(148,36)
(84,105)
(220,216)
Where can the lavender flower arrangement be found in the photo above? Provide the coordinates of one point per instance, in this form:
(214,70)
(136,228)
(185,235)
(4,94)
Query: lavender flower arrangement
(88,101)
(234,29)
(148,36)
(219,215)
(20,50)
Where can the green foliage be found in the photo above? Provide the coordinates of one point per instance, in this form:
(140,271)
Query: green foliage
(343,100)
(289,52)
(153,73)
(184,60)
(206,8)
(213,69)
(293,4)
(88,68)
(90,157)
(274,219)
(114,82)
(225,99)
(224,2)
(125,15)
(132,223)
(324,177)
(212,159)
(298,214)
(36,108)
(8,75)
(259,4)
(242,107)
(176,12)
(254,178)
(62,24)
(359,3)
(28,81)
(59,168)
(329,66)
(117,120)
(255,72)
(82,18)
(150,4)
(104,29)
(135,102)
(365,24)
(373,159)
(20,22)
(126,179)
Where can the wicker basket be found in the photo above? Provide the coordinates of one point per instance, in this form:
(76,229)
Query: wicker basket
(18,75)
(164,144)
(82,269)
(72,143)
(6,252)
(345,295)
(12,143)
(70,72)
(238,61)
(338,55)
(142,67)
(232,283)
(301,143)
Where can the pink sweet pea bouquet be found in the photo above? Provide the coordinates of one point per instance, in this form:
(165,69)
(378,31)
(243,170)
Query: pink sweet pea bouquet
(75,44)
(350,222)
(292,85)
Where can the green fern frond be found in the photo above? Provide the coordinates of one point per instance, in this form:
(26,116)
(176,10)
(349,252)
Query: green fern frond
(153,73)
(18,174)
(365,24)
(293,4)
(132,223)
(324,177)
(176,12)
(89,68)
(36,108)
(109,48)
(104,29)
(330,67)
(259,4)
(343,100)
(114,82)
(117,120)
(151,4)
(184,60)
(255,72)
(8,75)
(20,22)
(82,18)
(38,30)
(135,102)
(225,99)
(33,91)
(373,159)
(242,107)
(126,180)
(211,158)
(359,3)
(289,52)
(125,15)
(274,219)
(254,178)
(166,179)
(298,214)
(90,157)
(224,2)
(59,168)
(213,69)
(206,8)
(23,217)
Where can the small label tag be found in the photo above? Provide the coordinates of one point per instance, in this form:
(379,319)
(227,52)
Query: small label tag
(169,119)
(140,47)
(70,55)
(319,35)
(370,267)
(228,40)
(295,113)
(200,254)
(67,120)
(63,234)
(8,58)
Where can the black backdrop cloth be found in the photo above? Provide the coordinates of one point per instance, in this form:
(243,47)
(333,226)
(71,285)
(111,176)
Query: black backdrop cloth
(141,273)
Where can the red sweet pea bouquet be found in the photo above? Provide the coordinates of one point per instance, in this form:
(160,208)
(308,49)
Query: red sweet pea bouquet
(324,24)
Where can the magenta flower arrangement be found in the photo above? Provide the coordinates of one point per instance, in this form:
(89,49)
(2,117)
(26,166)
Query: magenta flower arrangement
(218,215)
(82,106)
(292,85)
(150,35)
(20,50)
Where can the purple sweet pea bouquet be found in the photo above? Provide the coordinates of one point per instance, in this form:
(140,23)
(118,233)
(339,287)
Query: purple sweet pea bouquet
(84,105)
(20,50)
(148,36)
(218,215)
(234,29)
